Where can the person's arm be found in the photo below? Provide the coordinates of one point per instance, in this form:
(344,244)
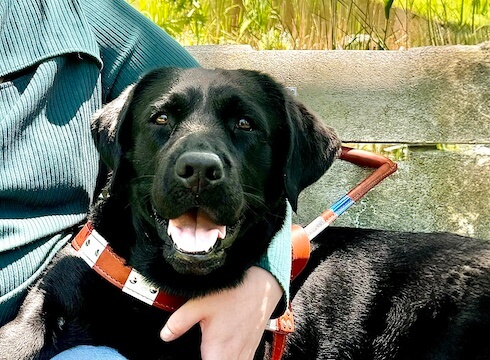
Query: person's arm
(278,259)
(130,45)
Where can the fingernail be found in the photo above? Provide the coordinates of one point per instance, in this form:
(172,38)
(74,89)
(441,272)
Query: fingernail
(166,334)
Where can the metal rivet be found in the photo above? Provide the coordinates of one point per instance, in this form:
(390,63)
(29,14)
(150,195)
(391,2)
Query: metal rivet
(87,242)
(133,280)
(97,252)
(153,290)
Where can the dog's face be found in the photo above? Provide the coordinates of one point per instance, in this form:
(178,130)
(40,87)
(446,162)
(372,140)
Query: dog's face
(205,156)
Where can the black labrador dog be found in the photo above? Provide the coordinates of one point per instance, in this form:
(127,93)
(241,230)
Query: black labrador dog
(203,162)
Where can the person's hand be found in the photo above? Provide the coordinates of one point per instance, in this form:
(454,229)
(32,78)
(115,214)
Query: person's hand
(249,305)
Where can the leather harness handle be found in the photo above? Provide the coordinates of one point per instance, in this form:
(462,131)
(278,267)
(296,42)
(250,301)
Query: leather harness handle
(384,168)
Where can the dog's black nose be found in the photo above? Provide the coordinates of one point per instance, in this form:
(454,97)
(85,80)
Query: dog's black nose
(198,170)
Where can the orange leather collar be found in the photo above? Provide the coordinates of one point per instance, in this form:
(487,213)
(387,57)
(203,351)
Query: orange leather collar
(97,253)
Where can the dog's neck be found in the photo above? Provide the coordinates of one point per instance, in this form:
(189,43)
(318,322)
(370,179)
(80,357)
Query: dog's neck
(134,240)
(112,218)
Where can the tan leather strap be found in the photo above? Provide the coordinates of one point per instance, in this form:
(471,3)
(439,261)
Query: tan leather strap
(384,168)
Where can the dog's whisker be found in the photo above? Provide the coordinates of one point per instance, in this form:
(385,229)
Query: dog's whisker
(254,199)
(142,178)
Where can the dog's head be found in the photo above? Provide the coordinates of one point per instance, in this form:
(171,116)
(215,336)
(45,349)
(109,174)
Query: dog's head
(206,160)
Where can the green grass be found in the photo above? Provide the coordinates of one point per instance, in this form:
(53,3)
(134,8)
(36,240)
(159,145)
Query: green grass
(327,24)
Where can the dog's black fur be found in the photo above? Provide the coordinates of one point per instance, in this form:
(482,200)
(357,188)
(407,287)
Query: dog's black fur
(236,145)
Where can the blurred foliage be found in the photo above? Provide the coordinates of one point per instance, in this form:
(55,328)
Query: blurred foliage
(322,24)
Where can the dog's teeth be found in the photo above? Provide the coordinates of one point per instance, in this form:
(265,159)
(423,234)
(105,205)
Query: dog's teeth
(195,232)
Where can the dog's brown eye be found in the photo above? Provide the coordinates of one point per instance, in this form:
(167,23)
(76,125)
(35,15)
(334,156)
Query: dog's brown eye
(161,119)
(244,124)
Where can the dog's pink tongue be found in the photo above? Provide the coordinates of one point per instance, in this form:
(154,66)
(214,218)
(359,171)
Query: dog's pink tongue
(195,232)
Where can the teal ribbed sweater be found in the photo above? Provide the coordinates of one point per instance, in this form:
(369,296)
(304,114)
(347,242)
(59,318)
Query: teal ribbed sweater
(60,60)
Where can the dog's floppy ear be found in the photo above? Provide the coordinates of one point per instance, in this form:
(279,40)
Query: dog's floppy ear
(312,148)
(106,131)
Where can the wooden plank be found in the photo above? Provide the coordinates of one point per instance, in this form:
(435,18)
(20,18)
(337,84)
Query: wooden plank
(422,95)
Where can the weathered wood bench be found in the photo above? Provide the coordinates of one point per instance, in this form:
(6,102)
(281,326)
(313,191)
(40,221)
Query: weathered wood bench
(410,101)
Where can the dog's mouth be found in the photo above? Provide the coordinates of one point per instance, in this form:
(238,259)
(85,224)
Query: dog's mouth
(197,242)
(194,232)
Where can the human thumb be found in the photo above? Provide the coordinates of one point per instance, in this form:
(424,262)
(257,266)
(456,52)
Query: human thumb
(180,322)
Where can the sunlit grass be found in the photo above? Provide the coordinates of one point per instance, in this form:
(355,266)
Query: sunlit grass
(401,152)
(322,24)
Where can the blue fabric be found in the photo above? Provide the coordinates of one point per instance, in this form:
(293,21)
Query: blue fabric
(60,60)
(86,352)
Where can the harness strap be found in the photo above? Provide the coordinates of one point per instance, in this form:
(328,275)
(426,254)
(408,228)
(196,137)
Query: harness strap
(98,254)
(284,325)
